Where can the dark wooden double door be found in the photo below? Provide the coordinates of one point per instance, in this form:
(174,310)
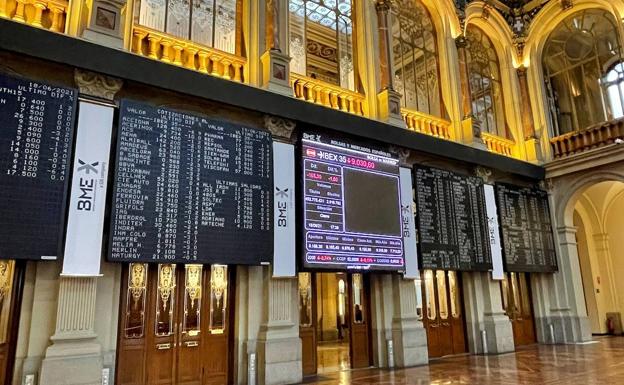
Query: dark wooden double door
(11,285)
(517,303)
(355,319)
(443,317)
(174,325)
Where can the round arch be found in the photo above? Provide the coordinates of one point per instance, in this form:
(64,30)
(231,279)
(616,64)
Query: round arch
(546,20)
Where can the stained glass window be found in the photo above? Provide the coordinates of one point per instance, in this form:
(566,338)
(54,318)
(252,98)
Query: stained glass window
(321,40)
(415,57)
(135,300)
(208,22)
(584,75)
(218,298)
(485,82)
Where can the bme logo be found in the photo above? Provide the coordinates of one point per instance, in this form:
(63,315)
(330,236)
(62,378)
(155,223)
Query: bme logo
(86,185)
(282,206)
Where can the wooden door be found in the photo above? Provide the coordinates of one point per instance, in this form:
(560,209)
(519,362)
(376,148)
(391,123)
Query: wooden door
(11,284)
(443,318)
(173,322)
(307,323)
(516,295)
(359,315)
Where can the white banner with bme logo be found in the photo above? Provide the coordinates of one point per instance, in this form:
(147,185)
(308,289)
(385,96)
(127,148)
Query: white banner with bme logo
(409,227)
(284,264)
(85,225)
(495,243)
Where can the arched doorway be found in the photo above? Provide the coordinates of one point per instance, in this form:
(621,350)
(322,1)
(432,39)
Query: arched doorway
(599,225)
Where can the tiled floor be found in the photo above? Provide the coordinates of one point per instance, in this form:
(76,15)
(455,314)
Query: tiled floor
(332,357)
(597,363)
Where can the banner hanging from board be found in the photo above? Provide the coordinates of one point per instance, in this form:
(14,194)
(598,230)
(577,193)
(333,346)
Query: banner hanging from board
(284,263)
(83,242)
(409,227)
(495,243)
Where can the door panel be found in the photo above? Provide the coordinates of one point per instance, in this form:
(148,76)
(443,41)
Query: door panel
(443,316)
(516,294)
(307,324)
(174,325)
(11,283)
(358,314)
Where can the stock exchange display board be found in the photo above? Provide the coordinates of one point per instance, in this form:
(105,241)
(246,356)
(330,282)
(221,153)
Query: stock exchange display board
(352,206)
(527,235)
(190,189)
(36,134)
(451,221)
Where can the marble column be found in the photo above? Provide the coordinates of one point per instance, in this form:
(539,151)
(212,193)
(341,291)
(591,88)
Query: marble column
(279,345)
(409,336)
(471,126)
(388,98)
(275,60)
(484,312)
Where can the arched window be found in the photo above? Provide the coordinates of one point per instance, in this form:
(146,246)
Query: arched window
(415,57)
(583,73)
(485,82)
(208,22)
(321,40)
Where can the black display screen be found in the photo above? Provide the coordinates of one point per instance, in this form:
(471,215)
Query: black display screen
(36,140)
(527,234)
(452,221)
(190,189)
(352,210)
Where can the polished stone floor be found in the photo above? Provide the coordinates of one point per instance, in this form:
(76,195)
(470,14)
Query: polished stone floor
(332,357)
(601,362)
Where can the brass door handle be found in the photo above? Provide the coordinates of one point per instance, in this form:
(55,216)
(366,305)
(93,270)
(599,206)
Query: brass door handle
(163,346)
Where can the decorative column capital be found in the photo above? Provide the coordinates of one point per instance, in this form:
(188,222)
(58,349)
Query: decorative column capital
(97,85)
(461,42)
(382,5)
(403,154)
(280,128)
(484,174)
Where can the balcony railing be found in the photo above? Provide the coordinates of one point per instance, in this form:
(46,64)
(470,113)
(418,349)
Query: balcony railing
(592,137)
(497,144)
(426,124)
(47,14)
(328,95)
(170,49)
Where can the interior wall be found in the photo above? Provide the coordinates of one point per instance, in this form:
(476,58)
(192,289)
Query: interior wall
(614,223)
(595,316)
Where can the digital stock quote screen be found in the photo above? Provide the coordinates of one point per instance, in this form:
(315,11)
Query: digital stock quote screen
(352,207)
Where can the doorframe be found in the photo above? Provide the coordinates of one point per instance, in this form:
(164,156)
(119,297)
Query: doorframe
(19,276)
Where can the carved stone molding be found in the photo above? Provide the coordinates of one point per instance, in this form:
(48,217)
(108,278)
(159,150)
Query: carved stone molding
(279,127)
(484,173)
(547,184)
(97,85)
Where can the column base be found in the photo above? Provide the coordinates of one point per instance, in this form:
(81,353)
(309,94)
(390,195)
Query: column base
(276,72)
(471,128)
(279,361)
(533,150)
(566,329)
(409,339)
(72,363)
(498,331)
(390,107)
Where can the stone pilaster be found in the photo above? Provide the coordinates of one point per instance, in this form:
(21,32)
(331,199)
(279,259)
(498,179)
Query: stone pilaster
(74,348)
(275,60)
(409,336)
(388,99)
(471,127)
(531,139)
(279,345)
(104,24)
(560,296)
(484,312)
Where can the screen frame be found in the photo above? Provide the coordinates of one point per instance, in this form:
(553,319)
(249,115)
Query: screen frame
(302,265)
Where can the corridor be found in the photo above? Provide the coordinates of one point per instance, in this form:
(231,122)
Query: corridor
(600,362)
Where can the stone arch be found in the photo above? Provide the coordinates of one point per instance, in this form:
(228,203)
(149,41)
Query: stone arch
(546,20)
(496,28)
